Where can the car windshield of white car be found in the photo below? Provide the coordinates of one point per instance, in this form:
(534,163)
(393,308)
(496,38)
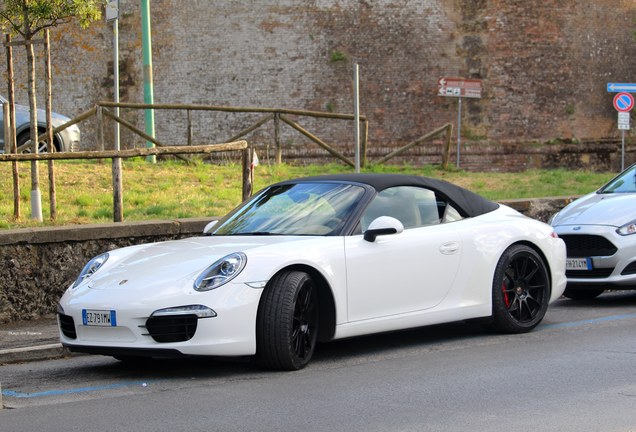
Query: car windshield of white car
(624,183)
(309,208)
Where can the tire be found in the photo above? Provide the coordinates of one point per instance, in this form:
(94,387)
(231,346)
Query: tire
(520,290)
(287,322)
(582,293)
(26,136)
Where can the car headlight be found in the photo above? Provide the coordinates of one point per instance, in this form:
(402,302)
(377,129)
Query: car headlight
(221,272)
(627,229)
(552,218)
(90,268)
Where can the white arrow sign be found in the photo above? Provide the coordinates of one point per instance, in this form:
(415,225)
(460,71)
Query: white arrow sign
(621,87)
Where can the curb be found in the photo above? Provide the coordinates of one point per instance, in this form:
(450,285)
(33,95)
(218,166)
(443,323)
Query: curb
(40,352)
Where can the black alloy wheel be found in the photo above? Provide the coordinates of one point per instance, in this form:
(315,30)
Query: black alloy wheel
(25,136)
(521,290)
(287,321)
(304,326)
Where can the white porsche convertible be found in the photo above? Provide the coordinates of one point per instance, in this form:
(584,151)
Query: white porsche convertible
(317,259)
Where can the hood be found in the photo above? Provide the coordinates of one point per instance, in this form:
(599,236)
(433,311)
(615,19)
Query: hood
(599,209)
(172,263)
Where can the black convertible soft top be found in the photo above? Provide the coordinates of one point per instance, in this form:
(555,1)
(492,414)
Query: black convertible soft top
(466,202)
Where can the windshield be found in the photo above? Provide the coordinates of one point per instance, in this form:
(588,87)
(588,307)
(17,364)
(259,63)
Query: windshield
(294,209)
(624,183)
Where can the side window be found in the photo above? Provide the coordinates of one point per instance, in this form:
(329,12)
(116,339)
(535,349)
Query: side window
(413,206)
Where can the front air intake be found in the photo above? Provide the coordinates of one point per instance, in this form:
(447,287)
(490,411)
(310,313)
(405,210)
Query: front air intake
(176,328)
(583,245)
(67,326)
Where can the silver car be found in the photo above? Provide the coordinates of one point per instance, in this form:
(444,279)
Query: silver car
(599,230)
(66,140)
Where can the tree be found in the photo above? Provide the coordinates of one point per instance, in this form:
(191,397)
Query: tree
(27,18)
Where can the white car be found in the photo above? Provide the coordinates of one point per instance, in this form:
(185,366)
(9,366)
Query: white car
(598,230)
(318,259)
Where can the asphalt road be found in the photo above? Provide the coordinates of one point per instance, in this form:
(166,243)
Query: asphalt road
(575,372)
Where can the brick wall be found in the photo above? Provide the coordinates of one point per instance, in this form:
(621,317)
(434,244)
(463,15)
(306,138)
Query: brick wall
(544,65)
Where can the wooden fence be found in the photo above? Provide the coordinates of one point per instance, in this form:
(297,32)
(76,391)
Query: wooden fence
(271,114)
(102,110)
(276,115)
(447,128)
(117,155)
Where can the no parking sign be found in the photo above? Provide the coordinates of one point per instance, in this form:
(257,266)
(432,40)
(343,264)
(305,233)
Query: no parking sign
(623,102)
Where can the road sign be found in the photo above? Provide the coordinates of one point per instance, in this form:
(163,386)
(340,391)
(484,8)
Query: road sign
(459,87)
(112,10)
(621,87)
(623,121)
(623,102)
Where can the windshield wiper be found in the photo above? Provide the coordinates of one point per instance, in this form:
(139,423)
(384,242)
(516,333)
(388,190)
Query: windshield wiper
(252,233)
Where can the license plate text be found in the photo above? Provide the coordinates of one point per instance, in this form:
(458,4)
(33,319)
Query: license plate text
(99,318)
(578,264)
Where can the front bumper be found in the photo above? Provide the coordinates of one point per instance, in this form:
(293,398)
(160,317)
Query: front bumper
(69,139)
(612,256)
(230,333)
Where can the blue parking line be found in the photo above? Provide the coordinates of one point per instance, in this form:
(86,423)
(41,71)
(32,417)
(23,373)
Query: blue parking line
(15,394)
(588,322)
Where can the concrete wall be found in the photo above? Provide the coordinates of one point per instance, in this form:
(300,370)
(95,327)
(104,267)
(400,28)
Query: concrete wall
(38,264)
(544,64)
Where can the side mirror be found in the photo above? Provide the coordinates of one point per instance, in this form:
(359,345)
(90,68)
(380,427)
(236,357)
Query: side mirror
(209,227)
(384,225)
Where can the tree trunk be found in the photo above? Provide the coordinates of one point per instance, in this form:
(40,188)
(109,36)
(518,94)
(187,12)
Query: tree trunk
(36,199)
(33,111)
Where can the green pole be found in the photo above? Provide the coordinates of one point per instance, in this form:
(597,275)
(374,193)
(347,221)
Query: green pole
(146,42)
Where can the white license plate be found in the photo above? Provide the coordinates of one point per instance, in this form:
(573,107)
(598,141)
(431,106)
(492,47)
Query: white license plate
(578,264)
(99,318)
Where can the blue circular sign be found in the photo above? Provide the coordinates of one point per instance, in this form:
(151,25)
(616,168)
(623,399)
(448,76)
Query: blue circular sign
(623,102)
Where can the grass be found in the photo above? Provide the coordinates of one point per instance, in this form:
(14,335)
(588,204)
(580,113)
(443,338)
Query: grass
(172,189)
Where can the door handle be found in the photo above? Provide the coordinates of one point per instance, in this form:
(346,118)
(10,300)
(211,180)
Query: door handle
(449,248)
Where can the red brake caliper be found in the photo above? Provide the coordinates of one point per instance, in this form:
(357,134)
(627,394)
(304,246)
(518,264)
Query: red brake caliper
(505,294)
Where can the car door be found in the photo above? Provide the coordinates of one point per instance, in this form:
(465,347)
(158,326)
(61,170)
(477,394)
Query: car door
(406,272)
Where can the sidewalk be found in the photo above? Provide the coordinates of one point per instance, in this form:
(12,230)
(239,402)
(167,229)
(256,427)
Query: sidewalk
(30,340)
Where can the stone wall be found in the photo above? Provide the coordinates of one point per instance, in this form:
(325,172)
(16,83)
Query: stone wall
(38,264)
(544,65)
(505,156)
